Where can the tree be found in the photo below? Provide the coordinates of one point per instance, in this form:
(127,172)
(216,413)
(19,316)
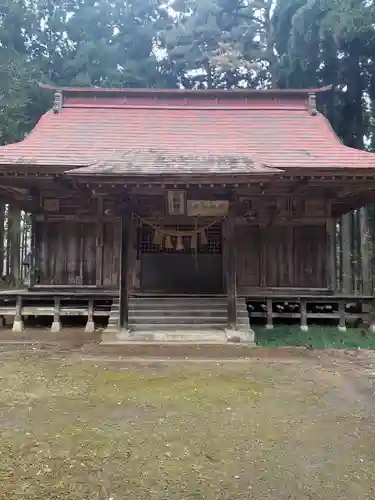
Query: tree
(215,43)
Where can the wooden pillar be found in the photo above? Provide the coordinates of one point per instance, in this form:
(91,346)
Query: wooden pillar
(90,325)
(331,254)
(14,228)
(18,323)
(2,234)
(100,242)
(56,324)
(124,295)
(132,254)
(346,259)
(269,322)
(303,311)
(263,257)
(230,267)
(342,323)
(365,252)
(36,250)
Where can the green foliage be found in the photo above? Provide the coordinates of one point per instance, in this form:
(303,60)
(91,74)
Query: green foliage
(316,338)
(217,43)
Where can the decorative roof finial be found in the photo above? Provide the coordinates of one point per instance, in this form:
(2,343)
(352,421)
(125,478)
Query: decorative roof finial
(57,101)
(312,104)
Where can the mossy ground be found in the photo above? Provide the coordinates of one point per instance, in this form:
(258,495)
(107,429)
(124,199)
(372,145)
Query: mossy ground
(284,429)
(316,337)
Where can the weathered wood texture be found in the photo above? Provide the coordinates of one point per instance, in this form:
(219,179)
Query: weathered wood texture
(68,253)
(282,257)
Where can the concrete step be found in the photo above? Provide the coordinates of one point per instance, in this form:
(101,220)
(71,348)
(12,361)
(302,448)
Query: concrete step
(187,313)
(175,326)
(178,320)
(181,350)
(178,336)
(201,306)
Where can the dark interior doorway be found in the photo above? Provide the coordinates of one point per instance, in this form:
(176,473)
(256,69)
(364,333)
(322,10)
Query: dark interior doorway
(169,266)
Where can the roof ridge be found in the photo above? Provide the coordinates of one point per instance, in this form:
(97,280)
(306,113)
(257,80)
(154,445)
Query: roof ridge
(166,91)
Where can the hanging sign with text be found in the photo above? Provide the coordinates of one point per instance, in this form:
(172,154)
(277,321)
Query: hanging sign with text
(207,208)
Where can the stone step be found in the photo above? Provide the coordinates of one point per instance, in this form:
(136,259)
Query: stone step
(178,320)
(176,305)
(173,326)
(176,350)
(178,336)
(138,313)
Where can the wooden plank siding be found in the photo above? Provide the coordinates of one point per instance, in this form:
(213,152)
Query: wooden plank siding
(68,253)
(273,257)
(293,257)
(248,256)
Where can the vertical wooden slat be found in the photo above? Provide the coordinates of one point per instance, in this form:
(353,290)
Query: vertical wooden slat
(124,295)
(81,254)
(346,261)
(263,257)
(331,250)
(230,266)
(14,222)
(132,253)
(2,239)
(365,252)
(99,242)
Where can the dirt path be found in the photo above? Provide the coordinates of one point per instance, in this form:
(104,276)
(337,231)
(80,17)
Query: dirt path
(285,428)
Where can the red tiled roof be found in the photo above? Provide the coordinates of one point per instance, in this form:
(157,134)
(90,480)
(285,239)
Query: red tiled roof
(277,130)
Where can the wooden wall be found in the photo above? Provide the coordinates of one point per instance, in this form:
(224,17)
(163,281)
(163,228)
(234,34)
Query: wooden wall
(281,256)
(277,256)
(68,252)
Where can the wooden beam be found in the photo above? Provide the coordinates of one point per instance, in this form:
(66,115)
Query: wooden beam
(99,242)
(346,258)
(124,295)
(230,265)
(263,257)
(14,229)
(365,251)
(331,254)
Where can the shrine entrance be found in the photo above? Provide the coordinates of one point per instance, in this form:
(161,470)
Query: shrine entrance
(181,259)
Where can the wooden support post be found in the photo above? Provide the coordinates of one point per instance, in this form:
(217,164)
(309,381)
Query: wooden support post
(263,257)
(14,228)
(331,254)
(342,323)
(269,323)
(132,254)
(303,311)
(371,307)
(124,296)
(231,281)
(365,252)
(346,257)
(99,243)
(18,323)
(2,234)
(90,325)
(56,324)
